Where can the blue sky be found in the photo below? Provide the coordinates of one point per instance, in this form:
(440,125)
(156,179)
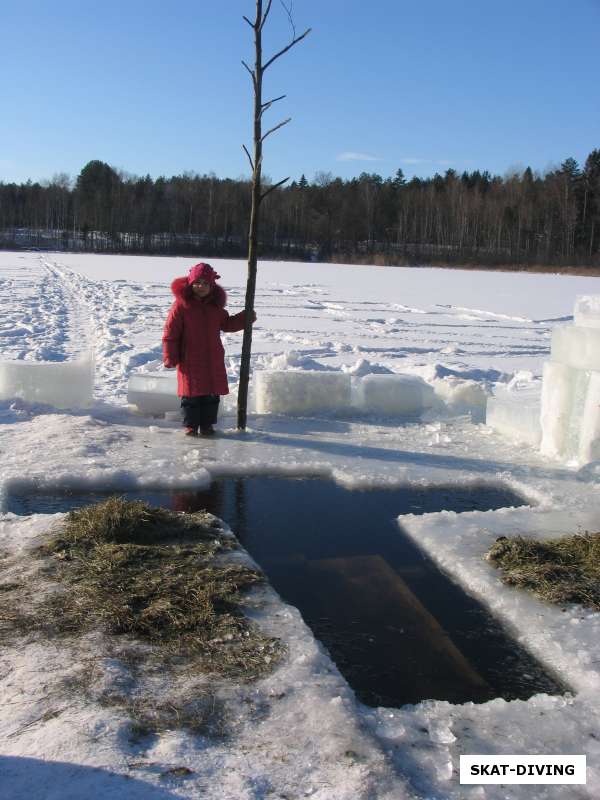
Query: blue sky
(158,88)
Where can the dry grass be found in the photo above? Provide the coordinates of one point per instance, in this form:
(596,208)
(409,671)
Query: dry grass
(167,598)
(559,571)
(156,576)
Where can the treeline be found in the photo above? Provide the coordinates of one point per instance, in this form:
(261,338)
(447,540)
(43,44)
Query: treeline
(470,218)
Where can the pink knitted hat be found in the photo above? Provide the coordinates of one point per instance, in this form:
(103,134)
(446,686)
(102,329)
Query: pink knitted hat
(204,272)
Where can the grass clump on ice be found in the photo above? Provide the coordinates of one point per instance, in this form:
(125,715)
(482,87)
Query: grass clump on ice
(565,570)
(160,578)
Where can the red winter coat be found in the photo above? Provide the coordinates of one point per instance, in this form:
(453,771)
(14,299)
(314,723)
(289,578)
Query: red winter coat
(192,339)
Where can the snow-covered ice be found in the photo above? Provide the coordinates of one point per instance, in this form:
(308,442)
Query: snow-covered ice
(299,732)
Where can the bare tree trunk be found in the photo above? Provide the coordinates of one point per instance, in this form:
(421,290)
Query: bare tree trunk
(254,219)
(257,195)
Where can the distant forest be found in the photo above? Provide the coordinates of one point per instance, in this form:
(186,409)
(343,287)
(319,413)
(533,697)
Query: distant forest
(521,220)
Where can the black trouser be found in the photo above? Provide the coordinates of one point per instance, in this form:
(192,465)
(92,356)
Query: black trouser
(200,411)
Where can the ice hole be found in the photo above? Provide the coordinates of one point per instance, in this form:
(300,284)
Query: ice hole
(398,628)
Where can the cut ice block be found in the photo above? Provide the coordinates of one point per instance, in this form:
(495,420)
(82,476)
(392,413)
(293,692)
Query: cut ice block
(298,392)
(62,384)
(462,396)
(516,415)
(153,392)
(576,346)
(589,437)
(403,395)
(563,393)
(587,311)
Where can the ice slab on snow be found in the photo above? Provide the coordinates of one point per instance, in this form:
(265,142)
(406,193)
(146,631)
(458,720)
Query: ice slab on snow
(401,395)
(153,392)
(576,346)
(297,392)
(516,414)
(62,384)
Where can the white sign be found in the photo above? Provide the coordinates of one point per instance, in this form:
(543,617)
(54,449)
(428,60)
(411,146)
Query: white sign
(522,769)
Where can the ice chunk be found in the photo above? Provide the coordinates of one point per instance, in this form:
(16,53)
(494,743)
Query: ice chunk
(576,346)
(589,437)
(516,414)
(563,398)
(153,392)
(462,396)
(299,392)
(62,384)
(403,395)
(587,311)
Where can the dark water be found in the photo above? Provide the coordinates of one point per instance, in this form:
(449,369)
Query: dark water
(399,630)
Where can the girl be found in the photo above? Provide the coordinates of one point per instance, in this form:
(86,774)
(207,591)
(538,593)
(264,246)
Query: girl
(192,343)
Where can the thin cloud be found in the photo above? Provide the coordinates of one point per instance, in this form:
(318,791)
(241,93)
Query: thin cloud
(351,156)
(442,162)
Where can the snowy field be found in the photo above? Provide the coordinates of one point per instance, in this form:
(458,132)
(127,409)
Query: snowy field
(465,333)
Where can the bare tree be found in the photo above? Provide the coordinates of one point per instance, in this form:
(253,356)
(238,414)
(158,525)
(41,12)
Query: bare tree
(258,195)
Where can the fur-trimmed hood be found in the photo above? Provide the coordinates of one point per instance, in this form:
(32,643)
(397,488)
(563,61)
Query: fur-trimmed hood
(184,294)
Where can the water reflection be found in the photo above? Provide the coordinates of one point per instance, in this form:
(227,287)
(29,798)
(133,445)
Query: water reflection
(399,630)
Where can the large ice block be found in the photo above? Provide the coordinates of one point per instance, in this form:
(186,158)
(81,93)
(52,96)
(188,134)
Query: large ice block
(396,395)
(577,347)
(301,392)
(589,436)
(557,401)
(462,396)
(516,415)
(564,395)
(153,392)
(62,384)
(587,311)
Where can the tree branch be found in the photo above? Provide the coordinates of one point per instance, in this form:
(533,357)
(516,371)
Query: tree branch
(251,71)
(285,49)
(249,158)
(288,11)
(269,103)
(248,21)
(265,15)
(272,188)
(275,128)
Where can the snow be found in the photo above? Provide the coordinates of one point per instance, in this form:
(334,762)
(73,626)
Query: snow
(300,732)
